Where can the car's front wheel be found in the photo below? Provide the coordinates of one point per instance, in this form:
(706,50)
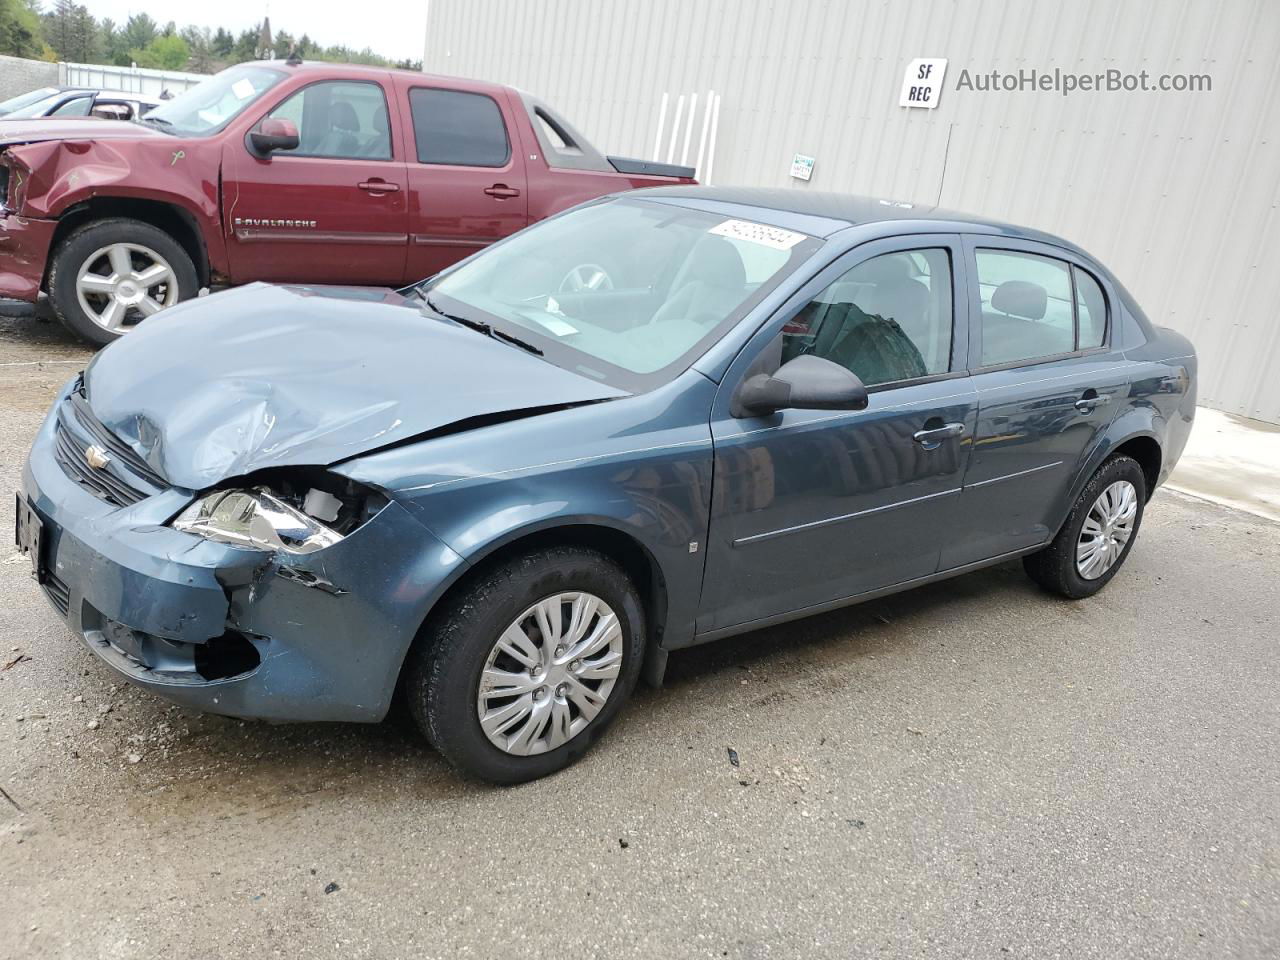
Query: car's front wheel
(524,669)
(1098,534)
(108,276)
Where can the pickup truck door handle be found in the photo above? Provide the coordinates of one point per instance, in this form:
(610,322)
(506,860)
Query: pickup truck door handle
(1090,400)
(932,437)
(501,191)
(377,185)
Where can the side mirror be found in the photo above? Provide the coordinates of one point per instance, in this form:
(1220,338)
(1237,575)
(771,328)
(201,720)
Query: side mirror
(807,382)
(273,133)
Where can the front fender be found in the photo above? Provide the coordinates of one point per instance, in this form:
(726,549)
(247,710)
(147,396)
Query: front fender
(61,174)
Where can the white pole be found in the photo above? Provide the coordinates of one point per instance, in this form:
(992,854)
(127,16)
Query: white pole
(711,148)
(662,120)
(675,128)
(706,123)
(688,130)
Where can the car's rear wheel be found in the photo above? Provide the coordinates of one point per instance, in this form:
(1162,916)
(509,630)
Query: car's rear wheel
(1098,534)
(109,275)
(526,667)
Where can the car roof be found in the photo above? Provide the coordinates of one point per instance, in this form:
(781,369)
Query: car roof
(361,69)
(823,214)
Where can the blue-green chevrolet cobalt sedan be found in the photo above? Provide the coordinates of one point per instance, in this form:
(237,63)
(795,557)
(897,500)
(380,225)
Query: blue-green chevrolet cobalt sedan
(654,420)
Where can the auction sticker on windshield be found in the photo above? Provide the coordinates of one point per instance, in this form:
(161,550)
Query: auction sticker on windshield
(774,237)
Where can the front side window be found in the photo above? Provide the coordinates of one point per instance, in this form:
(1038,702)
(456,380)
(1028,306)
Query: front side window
(887,320)
(627,291)
(340,119)
(1031,310)
(458,128)
(211,104)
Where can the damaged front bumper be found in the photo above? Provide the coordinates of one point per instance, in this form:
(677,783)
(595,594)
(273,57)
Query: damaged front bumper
(24,250)
(227,630)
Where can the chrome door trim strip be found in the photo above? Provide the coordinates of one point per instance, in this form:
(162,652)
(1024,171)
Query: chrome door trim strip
(770,534)
(1010,476)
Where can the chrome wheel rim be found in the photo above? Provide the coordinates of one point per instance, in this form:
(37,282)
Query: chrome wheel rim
(124,283)
(586,276)
(1107,529)
(550,674)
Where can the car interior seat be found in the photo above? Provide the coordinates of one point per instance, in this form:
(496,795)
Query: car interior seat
(710,283)
(342,140)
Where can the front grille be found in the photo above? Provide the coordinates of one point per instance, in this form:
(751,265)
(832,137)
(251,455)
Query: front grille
(104,438)
(57,592)
(124,480)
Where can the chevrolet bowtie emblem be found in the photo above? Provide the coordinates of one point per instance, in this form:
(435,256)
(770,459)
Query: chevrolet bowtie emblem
(97,457)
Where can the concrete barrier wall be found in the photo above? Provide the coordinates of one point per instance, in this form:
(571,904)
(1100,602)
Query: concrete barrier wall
(21,76)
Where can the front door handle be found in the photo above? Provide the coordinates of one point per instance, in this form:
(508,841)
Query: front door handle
(1090,400)
(501,191)
(930,438)
(377,186)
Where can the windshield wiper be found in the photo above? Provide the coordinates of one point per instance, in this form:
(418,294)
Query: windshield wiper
(487,329)
(157,120)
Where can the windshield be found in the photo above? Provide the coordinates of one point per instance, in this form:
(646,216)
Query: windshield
(628,291)
(26,99)
(211,104)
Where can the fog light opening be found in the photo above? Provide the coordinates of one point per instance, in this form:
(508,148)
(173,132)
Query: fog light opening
(226,656)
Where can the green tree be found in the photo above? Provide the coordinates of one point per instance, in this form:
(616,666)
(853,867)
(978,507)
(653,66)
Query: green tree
(72,32)
(200,43)
(223,43)
(245,46)
(139,31)
(20,33)
(165,52)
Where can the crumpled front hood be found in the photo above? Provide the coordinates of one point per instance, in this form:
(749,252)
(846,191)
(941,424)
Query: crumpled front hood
(266,376)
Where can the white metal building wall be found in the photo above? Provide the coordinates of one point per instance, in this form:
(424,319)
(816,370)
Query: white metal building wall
(1176,192)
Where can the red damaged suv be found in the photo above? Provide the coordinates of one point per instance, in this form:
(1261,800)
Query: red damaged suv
(285,171)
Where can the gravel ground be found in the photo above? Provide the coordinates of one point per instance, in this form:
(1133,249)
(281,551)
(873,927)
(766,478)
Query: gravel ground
(970,770)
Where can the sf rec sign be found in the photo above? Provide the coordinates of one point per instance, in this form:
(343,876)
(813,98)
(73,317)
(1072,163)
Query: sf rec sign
(922,83)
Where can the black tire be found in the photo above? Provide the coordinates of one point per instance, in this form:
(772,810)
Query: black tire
(82,242)
(445,666)
(1054,567)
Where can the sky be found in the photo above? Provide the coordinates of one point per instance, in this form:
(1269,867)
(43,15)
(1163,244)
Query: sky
(397,31)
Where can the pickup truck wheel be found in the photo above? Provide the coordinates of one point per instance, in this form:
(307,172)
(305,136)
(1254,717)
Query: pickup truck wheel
(527,666)
(108,276)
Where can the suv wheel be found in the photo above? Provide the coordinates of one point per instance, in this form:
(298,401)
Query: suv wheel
(1098,535)
(108,276)
(527,667)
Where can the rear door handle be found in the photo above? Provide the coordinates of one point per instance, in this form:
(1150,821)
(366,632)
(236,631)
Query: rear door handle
(931,438)
(378,186)
(501,191)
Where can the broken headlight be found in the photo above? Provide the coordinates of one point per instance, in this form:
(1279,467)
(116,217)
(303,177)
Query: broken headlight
(256,519)
(298,511)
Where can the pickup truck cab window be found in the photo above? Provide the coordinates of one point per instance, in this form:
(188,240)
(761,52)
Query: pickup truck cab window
(458,128)
(887,320)
(340,119)
(207,108)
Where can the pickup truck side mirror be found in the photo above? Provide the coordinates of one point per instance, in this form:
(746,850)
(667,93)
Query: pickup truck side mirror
(807,382)
(273,133)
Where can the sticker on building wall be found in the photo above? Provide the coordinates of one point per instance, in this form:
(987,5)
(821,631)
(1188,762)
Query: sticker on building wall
(802,166)
(922,84)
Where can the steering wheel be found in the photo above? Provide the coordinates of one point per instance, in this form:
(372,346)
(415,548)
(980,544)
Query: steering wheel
(584,277)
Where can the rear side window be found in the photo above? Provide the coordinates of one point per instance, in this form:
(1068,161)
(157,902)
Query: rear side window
(79,107)
(458,128)
(1027,309)
(1091,307)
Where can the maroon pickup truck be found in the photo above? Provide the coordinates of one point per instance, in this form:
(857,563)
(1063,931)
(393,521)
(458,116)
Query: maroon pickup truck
(284,171)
